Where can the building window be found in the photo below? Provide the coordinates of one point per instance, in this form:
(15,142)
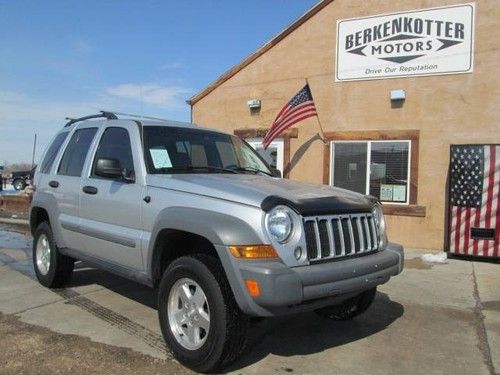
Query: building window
(278,153)
(378,168)
(273,155)
(383,163)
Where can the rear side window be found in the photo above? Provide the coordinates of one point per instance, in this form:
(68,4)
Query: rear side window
(115,144)
(50,156)
(76,152)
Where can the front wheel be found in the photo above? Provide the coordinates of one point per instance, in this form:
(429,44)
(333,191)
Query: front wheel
(199,318)
(52,269)
(18,184)
(350,308)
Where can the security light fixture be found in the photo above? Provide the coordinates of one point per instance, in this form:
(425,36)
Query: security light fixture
(398,95)
(253,104)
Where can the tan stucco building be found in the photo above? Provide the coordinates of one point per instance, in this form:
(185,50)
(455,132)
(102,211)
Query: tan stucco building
(450,106)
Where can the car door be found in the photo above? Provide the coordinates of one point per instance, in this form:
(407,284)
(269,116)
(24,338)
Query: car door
(64,185)
(44,177)
(111,208)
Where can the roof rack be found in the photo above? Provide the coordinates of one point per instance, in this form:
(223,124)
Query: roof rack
(105,114)
(139,116)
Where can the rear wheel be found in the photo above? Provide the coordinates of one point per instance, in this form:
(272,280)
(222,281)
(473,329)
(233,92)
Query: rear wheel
(52,269)
(200,320)
(350,308)
(19,184)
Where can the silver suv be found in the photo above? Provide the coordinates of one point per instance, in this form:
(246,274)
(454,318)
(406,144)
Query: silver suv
(200,216)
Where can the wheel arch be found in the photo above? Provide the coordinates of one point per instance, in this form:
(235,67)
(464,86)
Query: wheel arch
(38,215)
(171,244)
(182,231)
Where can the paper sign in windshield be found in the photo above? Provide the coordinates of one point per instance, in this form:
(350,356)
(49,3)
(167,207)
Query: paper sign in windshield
(160,157)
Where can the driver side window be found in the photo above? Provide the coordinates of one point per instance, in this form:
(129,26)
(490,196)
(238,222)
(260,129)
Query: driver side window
(115,144)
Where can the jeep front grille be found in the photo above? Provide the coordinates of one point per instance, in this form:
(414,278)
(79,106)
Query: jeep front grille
(332,237)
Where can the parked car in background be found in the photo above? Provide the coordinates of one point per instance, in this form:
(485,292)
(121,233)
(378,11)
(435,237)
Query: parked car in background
(21,179)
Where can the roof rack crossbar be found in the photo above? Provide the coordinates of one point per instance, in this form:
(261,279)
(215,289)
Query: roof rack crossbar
(140,116)
(105,114)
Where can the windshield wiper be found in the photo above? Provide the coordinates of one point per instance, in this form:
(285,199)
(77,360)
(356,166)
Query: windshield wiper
(197,167)
(251,169)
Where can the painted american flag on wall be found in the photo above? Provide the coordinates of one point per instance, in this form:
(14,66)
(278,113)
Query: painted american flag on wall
(474,225)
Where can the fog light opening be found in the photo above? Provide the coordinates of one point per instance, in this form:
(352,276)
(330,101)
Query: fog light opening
(298,252)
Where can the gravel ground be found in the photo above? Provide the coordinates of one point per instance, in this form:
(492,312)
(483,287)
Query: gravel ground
(29,349)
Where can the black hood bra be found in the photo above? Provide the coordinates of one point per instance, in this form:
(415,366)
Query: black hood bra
(334,205)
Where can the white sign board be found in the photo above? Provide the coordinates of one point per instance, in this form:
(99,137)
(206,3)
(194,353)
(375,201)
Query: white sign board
(415,43)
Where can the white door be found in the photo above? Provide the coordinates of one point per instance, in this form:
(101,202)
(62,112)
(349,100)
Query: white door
(273,155)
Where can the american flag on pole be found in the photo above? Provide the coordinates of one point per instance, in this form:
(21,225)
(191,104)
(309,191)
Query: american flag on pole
(474,200)
(300,107)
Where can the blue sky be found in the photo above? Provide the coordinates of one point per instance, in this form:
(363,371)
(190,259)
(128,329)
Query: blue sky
(71,58)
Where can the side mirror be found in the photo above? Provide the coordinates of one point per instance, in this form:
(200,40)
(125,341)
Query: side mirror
(108,168)
(276,172)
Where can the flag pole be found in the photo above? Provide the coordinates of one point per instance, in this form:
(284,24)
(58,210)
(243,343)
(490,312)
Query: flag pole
(321,132)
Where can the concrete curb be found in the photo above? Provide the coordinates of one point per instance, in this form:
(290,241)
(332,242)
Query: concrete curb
(5,220)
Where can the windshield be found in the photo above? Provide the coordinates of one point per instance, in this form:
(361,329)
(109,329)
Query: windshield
(185,150)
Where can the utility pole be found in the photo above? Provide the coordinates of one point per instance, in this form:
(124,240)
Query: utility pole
(33,155)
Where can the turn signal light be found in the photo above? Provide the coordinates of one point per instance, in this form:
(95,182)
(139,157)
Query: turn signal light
(254,252)
(252,287)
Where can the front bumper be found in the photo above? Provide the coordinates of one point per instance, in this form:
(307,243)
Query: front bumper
(286,290)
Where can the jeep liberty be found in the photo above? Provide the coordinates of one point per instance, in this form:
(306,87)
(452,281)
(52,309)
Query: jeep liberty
(199,215)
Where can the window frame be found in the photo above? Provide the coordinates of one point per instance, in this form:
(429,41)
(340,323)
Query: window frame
(98,139)
(410,209)
(368,164)
(65,148)
(47,168)
(279,143)
(287,135)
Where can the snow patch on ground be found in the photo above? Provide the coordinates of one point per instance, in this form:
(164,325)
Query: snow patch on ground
(435,258)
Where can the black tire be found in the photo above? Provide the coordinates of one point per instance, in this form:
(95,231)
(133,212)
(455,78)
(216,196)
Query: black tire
(350,308)
(226,336)
(60,267)
(19,184)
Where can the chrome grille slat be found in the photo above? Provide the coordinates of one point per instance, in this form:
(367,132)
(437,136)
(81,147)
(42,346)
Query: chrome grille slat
(361,237)
(374,233)
(367,231)
(342,239)
(351,236)
(337,236)
(318,241)
(330,238)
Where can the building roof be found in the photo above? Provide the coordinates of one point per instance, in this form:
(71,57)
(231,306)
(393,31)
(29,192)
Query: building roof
(259,52)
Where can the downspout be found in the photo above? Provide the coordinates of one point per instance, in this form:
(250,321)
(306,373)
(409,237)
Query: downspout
(190,103)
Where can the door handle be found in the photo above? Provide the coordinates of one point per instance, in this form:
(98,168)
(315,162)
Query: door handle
(54,184)
(90,190)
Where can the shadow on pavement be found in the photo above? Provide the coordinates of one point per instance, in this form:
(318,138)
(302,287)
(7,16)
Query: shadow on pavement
(286,336)
(142,294)
(307,333)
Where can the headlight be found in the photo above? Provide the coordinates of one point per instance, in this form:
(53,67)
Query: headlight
(279,223)
(378,216)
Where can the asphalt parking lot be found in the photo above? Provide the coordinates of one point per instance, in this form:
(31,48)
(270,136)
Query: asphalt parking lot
(432,319)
